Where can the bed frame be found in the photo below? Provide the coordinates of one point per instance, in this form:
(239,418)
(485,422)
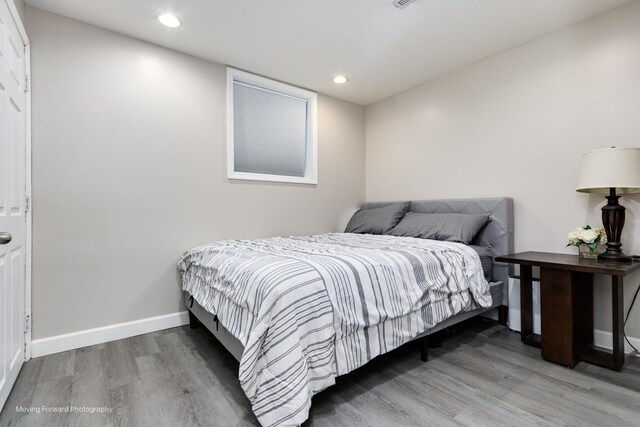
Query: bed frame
(497,236)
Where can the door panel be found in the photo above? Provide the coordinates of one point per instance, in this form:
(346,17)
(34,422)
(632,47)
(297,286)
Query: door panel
(17,191)
(4,160)
(16,325)
(4,367)
(12,201)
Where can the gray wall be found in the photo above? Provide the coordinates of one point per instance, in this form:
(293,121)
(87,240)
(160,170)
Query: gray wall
(516,124)
(129,171)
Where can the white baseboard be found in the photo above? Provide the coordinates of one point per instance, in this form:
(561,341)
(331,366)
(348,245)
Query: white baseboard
(605,339)
(88,337)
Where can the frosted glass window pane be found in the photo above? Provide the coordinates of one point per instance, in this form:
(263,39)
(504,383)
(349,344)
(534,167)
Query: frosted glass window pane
(270,131)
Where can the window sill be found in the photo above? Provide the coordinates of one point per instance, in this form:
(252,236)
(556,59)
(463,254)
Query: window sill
(244,176)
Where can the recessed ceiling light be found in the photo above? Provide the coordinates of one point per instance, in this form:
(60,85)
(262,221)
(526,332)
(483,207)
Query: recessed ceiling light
(169,20)
(340,80)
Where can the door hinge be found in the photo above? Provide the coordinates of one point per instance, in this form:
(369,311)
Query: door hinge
(27,204)
(27,324)
(27,83)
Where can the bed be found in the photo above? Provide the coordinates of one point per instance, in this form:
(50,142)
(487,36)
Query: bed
(299,311)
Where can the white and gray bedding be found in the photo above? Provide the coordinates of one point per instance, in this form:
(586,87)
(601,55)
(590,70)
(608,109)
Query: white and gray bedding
(308,309)
(486,259)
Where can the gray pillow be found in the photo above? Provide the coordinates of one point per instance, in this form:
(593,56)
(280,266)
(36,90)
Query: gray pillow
(377,220)
(461,228)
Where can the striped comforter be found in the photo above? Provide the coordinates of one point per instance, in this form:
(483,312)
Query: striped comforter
(308,309)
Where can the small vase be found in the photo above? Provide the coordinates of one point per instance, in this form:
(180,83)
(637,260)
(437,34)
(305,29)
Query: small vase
(585,252)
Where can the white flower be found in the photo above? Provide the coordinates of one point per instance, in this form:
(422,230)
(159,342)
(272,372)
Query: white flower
(574,236)
(589,236)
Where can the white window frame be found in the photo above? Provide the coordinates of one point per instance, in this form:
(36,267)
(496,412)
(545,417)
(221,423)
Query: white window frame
(311,160)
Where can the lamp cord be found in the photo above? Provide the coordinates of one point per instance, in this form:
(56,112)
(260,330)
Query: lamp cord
(627,318)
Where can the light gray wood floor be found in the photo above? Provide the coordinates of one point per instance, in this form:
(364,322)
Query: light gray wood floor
(482,375)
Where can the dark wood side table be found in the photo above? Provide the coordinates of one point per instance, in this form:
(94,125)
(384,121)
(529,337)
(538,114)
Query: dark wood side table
(566,306)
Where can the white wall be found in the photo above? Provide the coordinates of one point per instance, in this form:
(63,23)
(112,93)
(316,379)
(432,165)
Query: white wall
(516,125)
(129,148)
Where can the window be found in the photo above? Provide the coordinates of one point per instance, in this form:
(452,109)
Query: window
(271,130)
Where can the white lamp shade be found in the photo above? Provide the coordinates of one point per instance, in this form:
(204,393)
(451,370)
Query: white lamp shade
(607,168)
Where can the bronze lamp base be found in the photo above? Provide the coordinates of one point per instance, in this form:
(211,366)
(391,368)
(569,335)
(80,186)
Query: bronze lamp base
(613,215)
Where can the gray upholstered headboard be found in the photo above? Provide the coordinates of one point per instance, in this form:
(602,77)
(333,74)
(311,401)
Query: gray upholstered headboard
(498,233)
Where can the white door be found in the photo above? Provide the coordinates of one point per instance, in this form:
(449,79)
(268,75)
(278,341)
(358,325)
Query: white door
(12,201)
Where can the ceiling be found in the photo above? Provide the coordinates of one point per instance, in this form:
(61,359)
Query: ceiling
(383,50)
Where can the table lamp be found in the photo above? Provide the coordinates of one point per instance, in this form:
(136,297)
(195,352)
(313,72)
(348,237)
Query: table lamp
(611,171)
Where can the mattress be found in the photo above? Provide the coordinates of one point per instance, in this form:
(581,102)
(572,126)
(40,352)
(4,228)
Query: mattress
(308,309)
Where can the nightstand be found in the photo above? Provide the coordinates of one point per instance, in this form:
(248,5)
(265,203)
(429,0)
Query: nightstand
(566,306)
